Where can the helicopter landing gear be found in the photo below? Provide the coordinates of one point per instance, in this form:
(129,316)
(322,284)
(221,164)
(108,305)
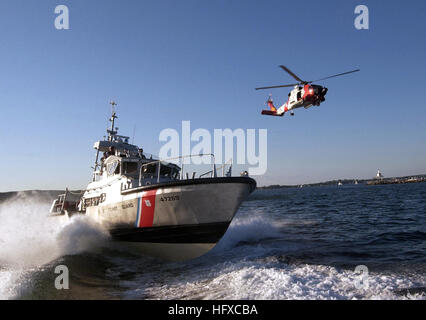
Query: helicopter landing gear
(292,114)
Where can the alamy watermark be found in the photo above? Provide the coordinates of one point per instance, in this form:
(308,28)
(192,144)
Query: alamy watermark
(62,21)
(362,21)
(362,280)
(221,145)
(62,281)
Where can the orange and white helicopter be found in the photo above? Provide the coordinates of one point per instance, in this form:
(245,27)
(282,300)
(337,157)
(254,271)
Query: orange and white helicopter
(305,94)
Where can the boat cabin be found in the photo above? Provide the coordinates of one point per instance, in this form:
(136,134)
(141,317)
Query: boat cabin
(132,163)
(120,159)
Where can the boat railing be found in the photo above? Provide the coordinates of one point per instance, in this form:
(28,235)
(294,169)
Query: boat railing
(66,201)
(96,175)
(212,172)
(223,168)
(156,176)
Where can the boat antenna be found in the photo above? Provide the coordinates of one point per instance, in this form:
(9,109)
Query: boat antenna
(112,131)
(134,131)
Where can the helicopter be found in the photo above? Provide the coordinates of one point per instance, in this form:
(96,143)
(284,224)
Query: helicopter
(305,94)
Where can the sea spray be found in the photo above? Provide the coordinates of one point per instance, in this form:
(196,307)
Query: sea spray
(29,239)
(248,229)
(27,235)
(81,234)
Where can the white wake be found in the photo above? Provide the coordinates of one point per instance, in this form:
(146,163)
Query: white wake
(29,239)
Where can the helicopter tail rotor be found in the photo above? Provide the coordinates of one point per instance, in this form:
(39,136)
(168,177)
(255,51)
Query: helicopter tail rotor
(270,104)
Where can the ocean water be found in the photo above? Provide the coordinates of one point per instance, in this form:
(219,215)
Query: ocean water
(283,244)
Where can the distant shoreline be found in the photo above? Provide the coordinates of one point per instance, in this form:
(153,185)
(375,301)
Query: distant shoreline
(370,182)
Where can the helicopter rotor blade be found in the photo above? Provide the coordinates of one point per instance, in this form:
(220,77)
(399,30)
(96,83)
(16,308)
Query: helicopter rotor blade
(336,75)
(274,87)
(292,74)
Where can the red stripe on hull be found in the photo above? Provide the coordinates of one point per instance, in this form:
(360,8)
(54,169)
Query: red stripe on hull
(147,209)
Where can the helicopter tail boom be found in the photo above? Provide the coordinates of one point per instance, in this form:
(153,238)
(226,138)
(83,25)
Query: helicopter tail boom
(272,109)
(271,113)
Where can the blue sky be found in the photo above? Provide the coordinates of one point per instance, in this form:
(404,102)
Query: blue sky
(168,61)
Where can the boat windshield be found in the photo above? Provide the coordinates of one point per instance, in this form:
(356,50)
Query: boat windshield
(113,168)
(169,172)
(130,168)
(150,171)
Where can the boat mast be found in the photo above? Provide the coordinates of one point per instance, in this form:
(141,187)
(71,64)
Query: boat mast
(111,134)
(112,131)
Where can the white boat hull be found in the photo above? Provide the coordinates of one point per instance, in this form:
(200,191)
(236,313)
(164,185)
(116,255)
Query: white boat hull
(174,221)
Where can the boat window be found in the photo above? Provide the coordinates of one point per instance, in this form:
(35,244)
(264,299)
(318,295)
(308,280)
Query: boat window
(130,167)
(149,170)
(113,168)
(166,171)
(175,174)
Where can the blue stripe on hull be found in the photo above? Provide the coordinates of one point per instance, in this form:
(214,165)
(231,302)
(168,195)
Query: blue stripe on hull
(138,213)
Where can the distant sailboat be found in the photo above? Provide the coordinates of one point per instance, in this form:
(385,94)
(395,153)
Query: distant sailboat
(340,183)
(379,175)
(356,182)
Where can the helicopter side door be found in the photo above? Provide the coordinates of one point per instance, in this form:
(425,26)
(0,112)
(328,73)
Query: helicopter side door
(299,94)
(293,97)
(296,98)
